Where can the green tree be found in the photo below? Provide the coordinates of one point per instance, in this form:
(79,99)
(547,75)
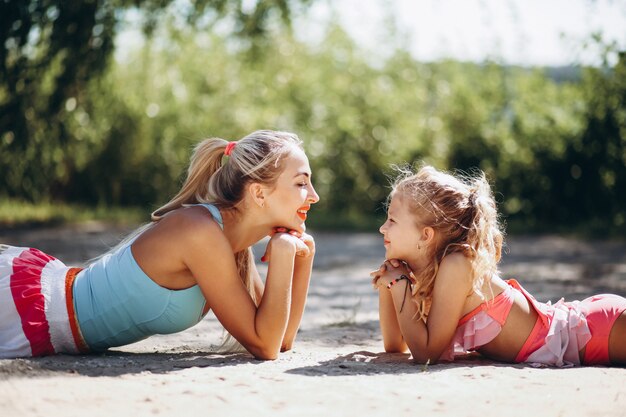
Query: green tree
(49,52)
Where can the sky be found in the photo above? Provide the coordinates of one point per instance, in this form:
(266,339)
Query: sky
(516,32)
(522,32)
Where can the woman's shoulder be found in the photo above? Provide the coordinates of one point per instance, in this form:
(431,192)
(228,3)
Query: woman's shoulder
(192,222)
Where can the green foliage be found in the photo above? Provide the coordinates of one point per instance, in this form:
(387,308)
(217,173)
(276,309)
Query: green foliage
(554,149)
(14,213)
(51,51)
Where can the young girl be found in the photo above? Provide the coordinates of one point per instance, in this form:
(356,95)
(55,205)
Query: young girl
(440,291)
(194,256)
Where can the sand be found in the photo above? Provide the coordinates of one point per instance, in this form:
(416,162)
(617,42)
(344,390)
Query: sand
(338,367)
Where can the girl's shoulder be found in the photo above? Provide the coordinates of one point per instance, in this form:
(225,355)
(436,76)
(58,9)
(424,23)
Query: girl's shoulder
(456,260)
(456,266)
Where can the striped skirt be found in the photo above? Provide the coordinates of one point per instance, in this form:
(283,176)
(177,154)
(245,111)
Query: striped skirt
(36,307)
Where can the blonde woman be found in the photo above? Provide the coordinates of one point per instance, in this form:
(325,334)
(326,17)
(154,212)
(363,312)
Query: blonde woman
(440,292)
(194,256)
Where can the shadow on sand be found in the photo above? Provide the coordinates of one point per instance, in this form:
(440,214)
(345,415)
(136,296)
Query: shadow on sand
(115,363)
(375,363)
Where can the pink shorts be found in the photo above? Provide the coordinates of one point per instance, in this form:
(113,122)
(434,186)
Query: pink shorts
(602,311)
(557,337)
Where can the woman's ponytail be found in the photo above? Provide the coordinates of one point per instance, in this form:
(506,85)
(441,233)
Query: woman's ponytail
(205,162)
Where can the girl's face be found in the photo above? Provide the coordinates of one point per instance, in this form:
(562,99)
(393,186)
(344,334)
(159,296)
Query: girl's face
(293,193)
(400,231)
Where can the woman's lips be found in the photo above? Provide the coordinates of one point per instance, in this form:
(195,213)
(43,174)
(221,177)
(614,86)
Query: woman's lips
(302,212)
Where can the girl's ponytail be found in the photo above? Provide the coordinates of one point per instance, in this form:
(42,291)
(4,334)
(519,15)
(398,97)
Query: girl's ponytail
(484,235)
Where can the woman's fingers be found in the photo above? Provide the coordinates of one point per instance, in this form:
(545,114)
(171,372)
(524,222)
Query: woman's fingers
(302,249)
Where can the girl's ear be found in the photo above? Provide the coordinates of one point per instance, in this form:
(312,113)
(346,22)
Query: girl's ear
(257,193)
(428,235)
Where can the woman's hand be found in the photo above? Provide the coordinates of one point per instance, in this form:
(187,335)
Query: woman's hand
(303,243)
(310,243)
(388,271)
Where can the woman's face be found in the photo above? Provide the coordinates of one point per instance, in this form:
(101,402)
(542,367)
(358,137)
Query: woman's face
(400,231)
(293,193)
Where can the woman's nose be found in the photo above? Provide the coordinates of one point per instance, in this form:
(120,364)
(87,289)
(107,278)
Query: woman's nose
(313,196)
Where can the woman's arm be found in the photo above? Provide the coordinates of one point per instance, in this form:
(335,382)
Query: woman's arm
(303,266)
(208,255)
(427,341)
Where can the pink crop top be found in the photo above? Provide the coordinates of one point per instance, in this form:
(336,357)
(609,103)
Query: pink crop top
(481,325)
(560,332)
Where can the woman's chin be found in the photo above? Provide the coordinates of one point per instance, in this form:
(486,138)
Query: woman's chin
(299,226)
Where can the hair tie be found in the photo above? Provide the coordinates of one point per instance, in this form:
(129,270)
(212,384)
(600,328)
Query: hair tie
(473,195)
(229,148)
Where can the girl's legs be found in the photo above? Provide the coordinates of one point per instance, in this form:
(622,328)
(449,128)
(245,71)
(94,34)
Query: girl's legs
(606,318)
(617,341)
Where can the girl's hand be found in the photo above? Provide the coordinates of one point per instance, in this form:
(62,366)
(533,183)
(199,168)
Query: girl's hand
(388,271)
(302,245)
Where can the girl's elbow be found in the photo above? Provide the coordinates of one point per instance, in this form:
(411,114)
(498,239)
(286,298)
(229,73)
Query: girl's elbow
(424,358)
(423,361)
(394,347)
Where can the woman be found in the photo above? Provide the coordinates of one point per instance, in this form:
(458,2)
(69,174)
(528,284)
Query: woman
(194,256)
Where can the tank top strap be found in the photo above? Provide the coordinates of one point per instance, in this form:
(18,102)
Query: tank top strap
(215,212)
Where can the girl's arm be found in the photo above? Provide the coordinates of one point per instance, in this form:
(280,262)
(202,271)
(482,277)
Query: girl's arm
(427,341)
(208,255)
(389,327)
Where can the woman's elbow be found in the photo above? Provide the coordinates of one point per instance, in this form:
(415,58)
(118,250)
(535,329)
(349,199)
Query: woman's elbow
(264,353)
(286,347)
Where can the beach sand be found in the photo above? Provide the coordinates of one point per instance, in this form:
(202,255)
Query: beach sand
(338,367)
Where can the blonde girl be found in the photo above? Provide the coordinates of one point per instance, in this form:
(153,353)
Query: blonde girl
(194,256)
(441,294)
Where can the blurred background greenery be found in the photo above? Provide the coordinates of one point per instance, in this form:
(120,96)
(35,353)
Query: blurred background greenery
(83,130)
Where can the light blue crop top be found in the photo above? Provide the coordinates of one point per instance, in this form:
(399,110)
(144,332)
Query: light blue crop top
(116,303)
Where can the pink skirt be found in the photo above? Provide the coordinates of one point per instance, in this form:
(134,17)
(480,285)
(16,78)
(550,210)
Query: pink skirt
(37,315)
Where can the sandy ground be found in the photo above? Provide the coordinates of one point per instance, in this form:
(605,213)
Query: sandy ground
(337,367)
